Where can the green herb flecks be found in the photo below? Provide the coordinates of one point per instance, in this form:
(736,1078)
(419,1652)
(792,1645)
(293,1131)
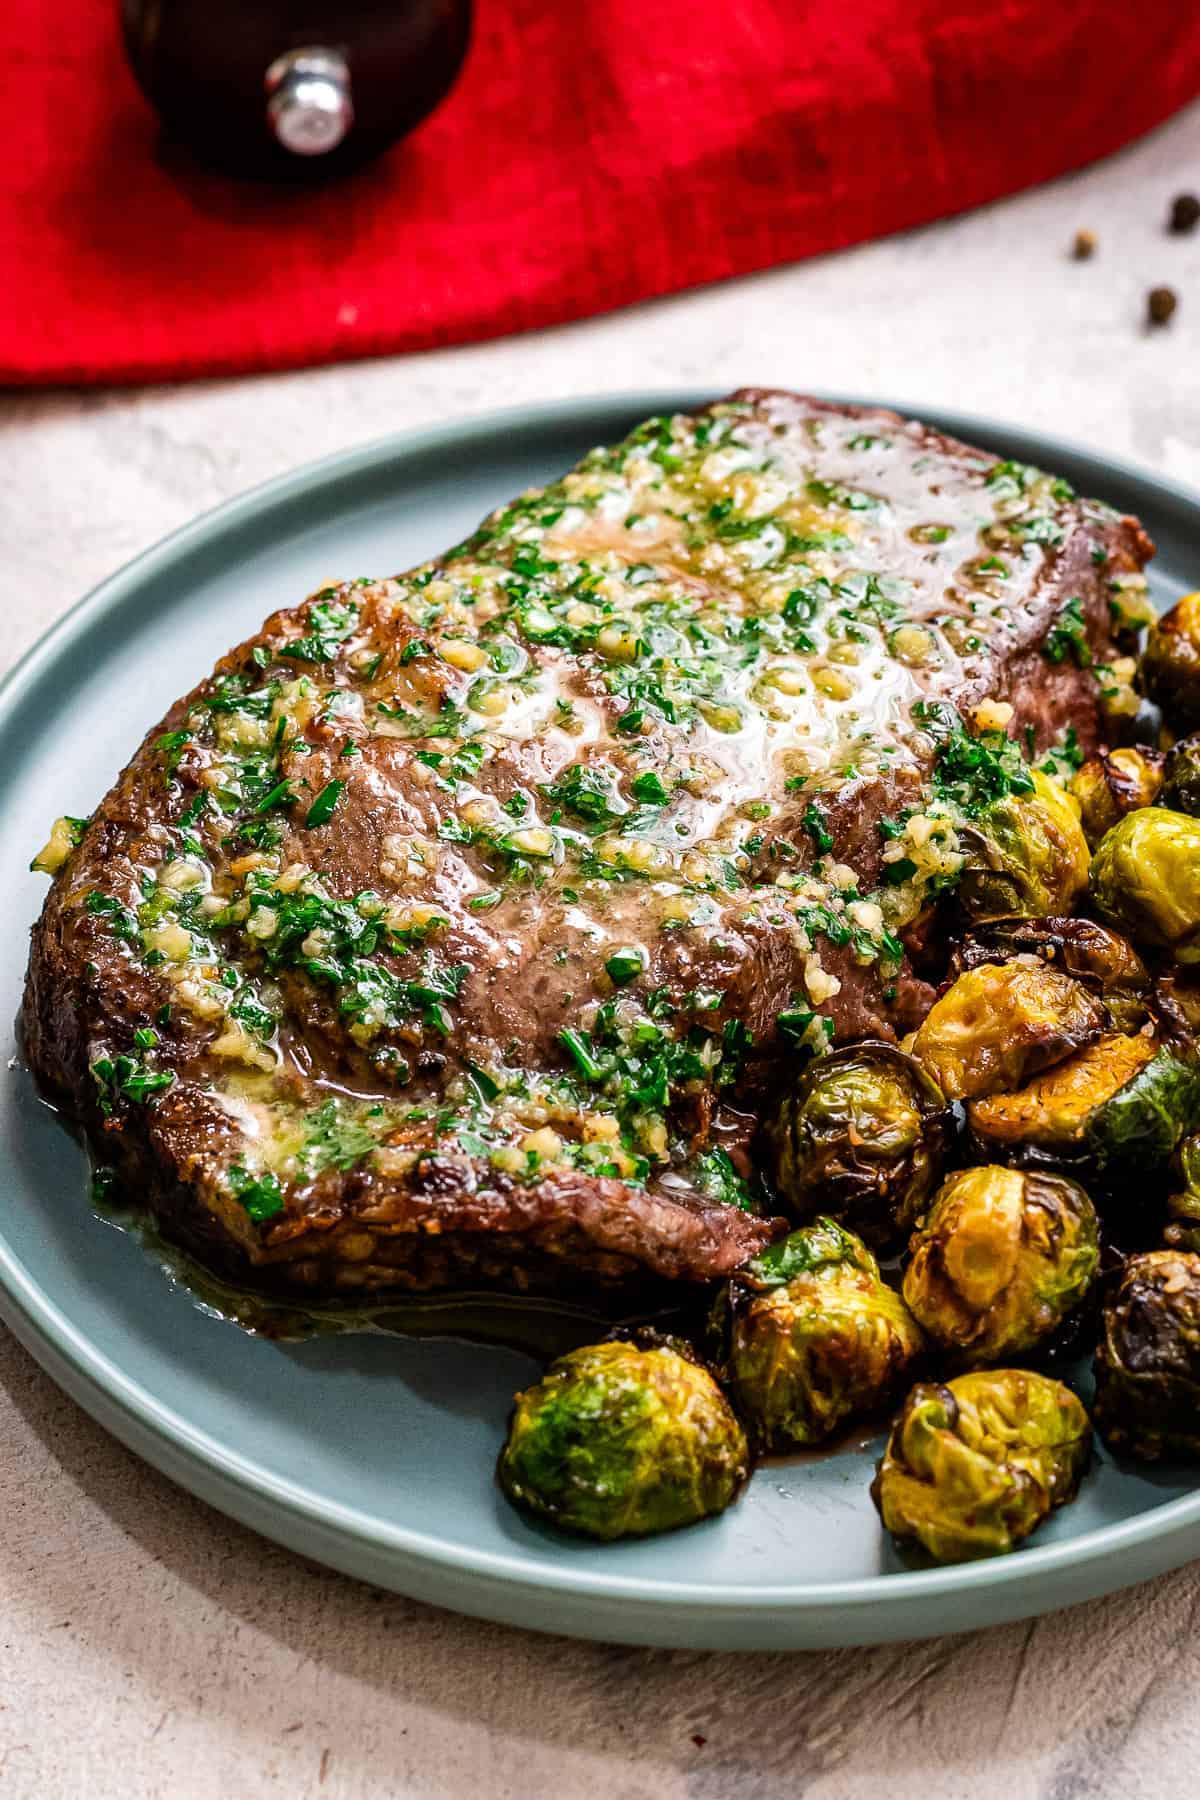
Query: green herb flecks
(818,831)
(1062,759)
(971,773)
(120,920)
(717,1179)
(260,1195)
(128,1078)
(649,789)
(335,942)
(804,1252)
(334,1138)
(624,966)
(589,793)
(803,1029)
(171,746)
(325,804)
(640,1066)
(1067,637)
(330,623)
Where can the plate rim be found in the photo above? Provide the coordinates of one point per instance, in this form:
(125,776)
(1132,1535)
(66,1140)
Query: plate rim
(206,1466)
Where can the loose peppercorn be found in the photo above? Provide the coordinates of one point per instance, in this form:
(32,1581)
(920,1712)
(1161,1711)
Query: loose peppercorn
(1160,304)
(1084,245)
(1185,213)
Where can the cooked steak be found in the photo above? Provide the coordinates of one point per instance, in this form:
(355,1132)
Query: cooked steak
(451,932)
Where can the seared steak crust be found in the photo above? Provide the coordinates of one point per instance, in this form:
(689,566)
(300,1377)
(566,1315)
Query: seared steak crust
(452,930)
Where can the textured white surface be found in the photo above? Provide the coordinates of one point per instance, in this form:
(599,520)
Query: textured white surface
(149,1647)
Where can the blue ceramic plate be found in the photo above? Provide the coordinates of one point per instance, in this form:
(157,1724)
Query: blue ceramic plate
(375,1453)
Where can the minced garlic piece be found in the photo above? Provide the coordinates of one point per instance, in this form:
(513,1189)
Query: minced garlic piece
(993,715)
(820,985)
(55,851)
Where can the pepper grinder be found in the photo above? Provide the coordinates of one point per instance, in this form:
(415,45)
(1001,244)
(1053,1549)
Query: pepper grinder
(294,89)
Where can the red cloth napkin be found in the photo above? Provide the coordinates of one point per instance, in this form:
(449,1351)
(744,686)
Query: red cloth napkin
(591,155)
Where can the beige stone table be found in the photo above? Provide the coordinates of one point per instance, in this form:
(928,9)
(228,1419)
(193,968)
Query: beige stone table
(150,1647)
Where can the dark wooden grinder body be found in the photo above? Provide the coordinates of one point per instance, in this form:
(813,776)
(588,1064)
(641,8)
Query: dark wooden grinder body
(203,65)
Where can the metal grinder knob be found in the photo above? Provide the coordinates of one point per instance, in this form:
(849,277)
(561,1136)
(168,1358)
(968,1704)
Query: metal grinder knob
(309,105)
(344,79)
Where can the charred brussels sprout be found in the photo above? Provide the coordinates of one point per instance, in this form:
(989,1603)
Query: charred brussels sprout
(1148,1361)
(1002,1258)
(618,1440)
(1115,783)
(973,1467)
(1171,662)
(1102,961)
(999,1023)
(1146,880)
(1025,854)
(1175,1003)
(861,1136)
(1183,1207)
(1119,1106)
(1181,777)
(817,1338)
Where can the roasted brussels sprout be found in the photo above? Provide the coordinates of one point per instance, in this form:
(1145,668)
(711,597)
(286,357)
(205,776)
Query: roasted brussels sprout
(1148,1360)
(619,1440)
(1146,880)
(999,1023)
(1175,1004)
(1119,1106)
(1183,1206)
(817,1338)
(1171,662)
(1115,783)
(1181,777)
(973,1467)
(1025,854)
(1001,1259)
(1099,959)
(862,1136)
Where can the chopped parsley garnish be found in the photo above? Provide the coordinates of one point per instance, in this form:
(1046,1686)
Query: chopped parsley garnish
(323,807)
(900,871)
(250,1012)
(348,933)
(971,772)
(715,1176)
(818,831)
(333,1139)
(649,789)
(640,1066)
(261,1195)
(804,1252)
(121,921)
(578,1045)
(589,793)
(231,693)
(804,1029)
(624,966)
(171,744)
(329,625)
(1062,759)
(194,811)
(128,1078)
(1067,637)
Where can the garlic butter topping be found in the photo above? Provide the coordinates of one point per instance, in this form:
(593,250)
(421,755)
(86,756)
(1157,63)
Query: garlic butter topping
(513,828)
